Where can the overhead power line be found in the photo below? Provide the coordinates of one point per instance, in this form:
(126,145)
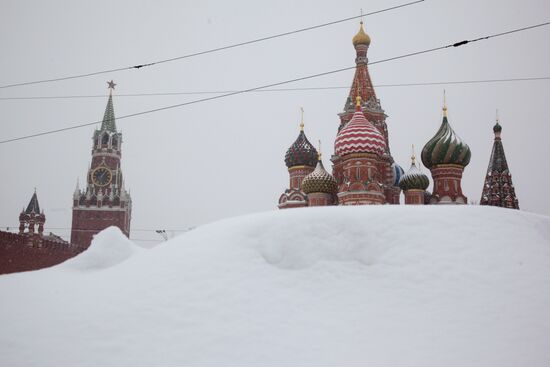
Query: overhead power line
(139,66)
(395,85)
(456,44)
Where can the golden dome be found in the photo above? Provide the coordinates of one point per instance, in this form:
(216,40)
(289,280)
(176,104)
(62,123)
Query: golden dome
(361,38)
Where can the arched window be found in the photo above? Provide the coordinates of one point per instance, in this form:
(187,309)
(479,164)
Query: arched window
(115,142)
(105,139)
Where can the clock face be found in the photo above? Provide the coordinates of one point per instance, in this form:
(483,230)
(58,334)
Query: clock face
(101,176)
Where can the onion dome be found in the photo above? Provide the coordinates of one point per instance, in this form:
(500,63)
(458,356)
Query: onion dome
(497,128)
(301,152)
(414,179)
(359,136)
(445,147)
(319,180)
(397,172)
(361,38)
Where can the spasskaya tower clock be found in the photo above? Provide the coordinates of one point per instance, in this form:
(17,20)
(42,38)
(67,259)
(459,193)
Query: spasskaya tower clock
(104,201)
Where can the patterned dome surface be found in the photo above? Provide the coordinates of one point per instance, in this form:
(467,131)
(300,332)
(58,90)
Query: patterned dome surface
(301,153)
(359,136)
(397,172)
(446,148)
(414,179)
(361,38)
(319,181)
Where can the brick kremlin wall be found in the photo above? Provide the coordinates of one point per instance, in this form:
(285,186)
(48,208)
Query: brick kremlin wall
(23,253)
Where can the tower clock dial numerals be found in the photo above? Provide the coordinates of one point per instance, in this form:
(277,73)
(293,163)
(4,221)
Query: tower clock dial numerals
(101,176)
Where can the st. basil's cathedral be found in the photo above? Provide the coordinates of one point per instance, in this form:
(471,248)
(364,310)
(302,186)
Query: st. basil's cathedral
(364,171)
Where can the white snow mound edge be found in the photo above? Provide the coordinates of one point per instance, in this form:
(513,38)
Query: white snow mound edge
(109,247)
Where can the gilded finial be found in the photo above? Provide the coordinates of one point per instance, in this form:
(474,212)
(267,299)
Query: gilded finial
(497,118)
(358,97)
(302,120)
(319,154)
(413,156)
(444,104)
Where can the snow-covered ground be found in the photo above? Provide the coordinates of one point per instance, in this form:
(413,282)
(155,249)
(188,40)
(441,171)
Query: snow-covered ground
(355,286)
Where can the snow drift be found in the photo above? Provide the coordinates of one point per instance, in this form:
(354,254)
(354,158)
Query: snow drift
(334,286)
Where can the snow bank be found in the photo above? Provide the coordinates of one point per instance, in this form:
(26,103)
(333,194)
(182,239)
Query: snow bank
(376,286)
(109,248)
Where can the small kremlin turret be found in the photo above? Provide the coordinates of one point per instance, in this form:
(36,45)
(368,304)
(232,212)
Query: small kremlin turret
(446,155)
(414,183)
(32,216)
(498,189)
(300,158)
(320,186)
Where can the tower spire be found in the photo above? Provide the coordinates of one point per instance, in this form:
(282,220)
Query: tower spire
(498,189)
(109,116)
(302,119)
(444,104)
(413,156)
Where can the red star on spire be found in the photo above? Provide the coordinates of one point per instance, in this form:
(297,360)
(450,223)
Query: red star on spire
(111,84)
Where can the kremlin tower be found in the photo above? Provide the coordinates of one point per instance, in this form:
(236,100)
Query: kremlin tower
(498,189)
(446,155)
(104,201)
(31,217)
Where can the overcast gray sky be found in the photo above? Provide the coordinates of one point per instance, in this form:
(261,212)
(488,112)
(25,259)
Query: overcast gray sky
(196,164)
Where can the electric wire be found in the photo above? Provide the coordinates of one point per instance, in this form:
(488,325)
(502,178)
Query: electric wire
(139,66)
(456,44)
(167,94)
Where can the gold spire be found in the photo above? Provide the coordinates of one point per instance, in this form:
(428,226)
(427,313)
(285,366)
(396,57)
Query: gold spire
(302,120)
(444,104)
(413,156)
(319,154)
(361,38)
(497,118)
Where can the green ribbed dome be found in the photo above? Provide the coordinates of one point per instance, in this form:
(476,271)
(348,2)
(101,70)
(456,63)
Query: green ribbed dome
(414,179)
(319,181)
(445,147)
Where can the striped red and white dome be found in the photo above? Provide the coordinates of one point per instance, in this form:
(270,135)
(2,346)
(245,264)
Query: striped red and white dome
(359,136)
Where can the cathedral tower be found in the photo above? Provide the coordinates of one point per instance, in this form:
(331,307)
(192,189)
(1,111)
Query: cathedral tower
(446,155)
(320,186)
(104,201)
(300,159)
(414,184)
(361,86)
(361,163)
(498,189)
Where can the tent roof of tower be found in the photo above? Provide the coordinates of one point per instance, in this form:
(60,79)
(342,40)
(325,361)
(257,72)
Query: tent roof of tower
(33,205)
(109,116)
(497,162)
